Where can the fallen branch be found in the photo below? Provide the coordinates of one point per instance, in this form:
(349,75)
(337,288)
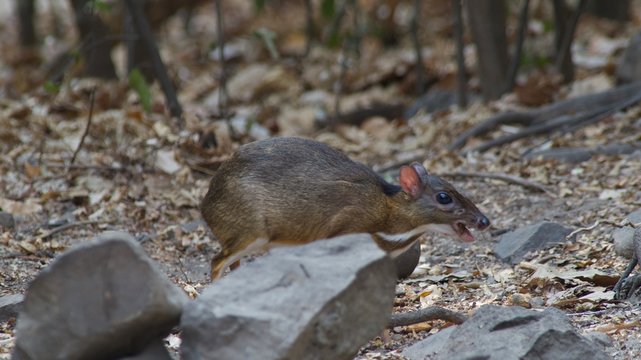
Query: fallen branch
(512,179)
(428,314)
(67,227)
(565,123)
(579,105)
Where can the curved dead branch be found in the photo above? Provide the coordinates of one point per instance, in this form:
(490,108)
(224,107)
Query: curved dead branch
(570,112)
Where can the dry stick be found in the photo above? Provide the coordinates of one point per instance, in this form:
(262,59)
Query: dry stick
(518,47)
(428,314)
(461,75)
(546,113)
(564,50)
(92,97)
(420,71)
(66,227)
(147,37)
(626,222)
(512,179)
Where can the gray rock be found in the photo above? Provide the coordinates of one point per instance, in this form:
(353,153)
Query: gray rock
(635,216)
(323,300)
(515,244)
(623,237)
(406,262)
(9,306)
(7,221)
(495,332)
(629,67)
(155,351)
(102,300)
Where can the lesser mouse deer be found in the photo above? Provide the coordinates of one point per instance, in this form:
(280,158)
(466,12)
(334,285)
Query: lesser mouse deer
(289,191)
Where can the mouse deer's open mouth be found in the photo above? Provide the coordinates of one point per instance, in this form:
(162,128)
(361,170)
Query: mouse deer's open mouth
(462,231)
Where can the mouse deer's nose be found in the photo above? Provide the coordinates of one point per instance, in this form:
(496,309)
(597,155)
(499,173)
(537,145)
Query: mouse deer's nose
(482,222)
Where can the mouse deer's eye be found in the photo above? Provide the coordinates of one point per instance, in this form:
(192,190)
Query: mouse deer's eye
(443,198)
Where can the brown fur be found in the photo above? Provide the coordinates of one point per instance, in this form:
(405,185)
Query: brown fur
(294,191)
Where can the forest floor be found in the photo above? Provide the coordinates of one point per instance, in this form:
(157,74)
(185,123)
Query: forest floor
(145,173)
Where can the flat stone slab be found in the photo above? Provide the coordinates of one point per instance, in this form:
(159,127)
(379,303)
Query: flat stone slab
(498,333)
(10,305)
(101,300)
(323,300)
(515,244)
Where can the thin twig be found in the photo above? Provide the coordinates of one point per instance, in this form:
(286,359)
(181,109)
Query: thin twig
(461,75)
(89,167)
(420,70)
(512,179)
(202,169)
(92,98)
(67,227)
(518,47)
(428,314)
(626,222)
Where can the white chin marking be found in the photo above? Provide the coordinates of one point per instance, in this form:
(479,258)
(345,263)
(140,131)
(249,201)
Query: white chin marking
(393,238)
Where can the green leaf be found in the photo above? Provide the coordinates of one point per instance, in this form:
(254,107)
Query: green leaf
(259,5)
(267,37)
(51,87)
(98,5)
(138,83)
(328,9)
(334,40)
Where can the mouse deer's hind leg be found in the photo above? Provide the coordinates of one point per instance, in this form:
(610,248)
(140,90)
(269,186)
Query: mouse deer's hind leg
(230,257)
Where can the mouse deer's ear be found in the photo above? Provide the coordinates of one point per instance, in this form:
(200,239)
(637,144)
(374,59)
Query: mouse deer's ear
(410,180)
(421,172)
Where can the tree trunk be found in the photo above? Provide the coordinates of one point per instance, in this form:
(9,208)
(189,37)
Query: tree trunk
(487,24)
(26,10)
(615,10)
(96,48)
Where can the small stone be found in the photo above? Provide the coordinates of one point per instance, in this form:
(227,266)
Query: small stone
(515,244)
(622,241)
(7,221)
(10,305)
(629,67)
(521,300)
